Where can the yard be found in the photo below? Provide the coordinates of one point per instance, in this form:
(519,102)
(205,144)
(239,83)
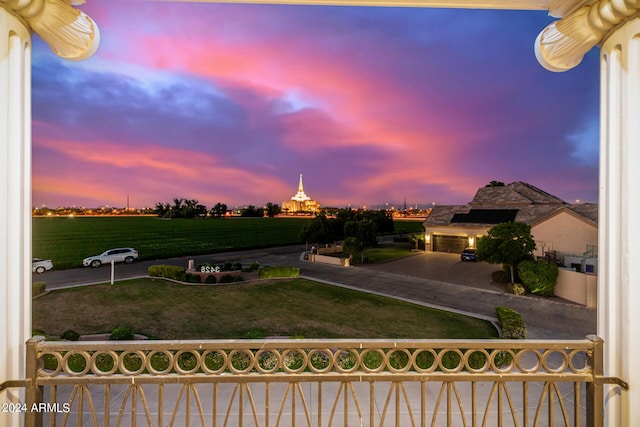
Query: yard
(291,308)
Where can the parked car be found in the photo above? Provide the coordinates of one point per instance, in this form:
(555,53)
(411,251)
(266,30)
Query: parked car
(126,255)
(468,254)
(41,265)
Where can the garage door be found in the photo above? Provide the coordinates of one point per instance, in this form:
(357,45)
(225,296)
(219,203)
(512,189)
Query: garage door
(452,244)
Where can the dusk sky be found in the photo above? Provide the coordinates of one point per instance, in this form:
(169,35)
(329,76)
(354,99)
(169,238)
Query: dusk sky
(230,103)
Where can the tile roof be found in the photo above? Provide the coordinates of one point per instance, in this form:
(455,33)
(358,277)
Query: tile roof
(532,205)
(519,193)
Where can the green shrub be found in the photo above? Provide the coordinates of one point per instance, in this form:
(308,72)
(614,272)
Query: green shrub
(238,279)
(539,277)
(70,335)
(227,266)
(122,333)
(167,271)
(38,288)
(512,323)
(36,332)
(254,266)
(276,272)
(210,279)
(237,266)
(516,288)
(513,327)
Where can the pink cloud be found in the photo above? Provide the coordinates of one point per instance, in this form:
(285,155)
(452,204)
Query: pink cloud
(346,109)
(370,92)
(157,173)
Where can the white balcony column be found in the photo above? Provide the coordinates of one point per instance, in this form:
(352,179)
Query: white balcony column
(615,26)
(619,233)
(71,35)
(15,202)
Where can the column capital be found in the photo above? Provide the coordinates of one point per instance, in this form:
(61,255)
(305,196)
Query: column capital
(69,32)
(562,45)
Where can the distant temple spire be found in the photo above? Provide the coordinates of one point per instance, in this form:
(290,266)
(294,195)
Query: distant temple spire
(300,196)
(300,202)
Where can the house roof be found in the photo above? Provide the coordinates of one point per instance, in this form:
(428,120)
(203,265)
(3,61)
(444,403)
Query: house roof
(518,201)
(516,193)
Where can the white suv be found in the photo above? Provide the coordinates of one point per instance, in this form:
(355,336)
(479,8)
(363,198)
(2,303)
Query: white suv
(126,255)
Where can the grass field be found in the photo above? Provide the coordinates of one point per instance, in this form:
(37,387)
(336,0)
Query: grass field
(296,307)
(68,240)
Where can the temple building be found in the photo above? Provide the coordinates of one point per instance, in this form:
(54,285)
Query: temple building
(300,202)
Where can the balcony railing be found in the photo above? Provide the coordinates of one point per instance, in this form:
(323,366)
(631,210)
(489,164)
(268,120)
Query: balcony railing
(315,383)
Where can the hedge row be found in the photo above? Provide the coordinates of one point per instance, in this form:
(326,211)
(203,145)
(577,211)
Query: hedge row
(276,272)
(118,333)
(38,288)
(167,271)
(512,323)
(178,273)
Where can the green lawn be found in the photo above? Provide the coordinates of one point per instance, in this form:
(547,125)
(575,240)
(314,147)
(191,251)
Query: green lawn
(384,252)
(295,307)
(68,240)
(387,252)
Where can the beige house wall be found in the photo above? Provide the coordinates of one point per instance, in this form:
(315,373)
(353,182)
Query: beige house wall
(580,288)
(325,259)
(564,233)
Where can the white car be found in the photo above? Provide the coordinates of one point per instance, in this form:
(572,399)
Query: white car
(41,265)
(126,255)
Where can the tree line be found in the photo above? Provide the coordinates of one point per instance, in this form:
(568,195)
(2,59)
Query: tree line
(191,208)
(357,229)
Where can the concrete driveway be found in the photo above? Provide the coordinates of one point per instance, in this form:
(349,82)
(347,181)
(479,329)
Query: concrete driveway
(443,267)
